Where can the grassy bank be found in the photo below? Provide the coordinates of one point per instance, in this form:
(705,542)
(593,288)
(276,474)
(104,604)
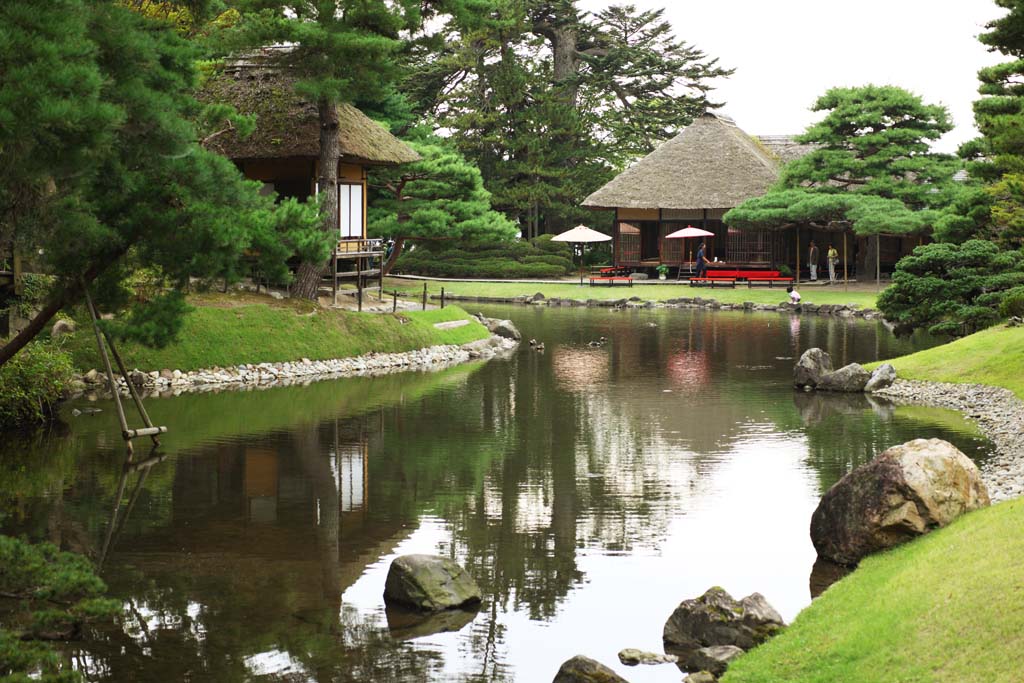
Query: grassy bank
(994,356)
(230,329)
(946,607)
(863,296)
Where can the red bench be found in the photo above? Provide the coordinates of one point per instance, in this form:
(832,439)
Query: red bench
(770,280)
(611,280)
(743,274)
(712,281)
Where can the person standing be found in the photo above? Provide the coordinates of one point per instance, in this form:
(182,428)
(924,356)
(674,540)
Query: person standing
(812,260)
(833,259)
(702,261)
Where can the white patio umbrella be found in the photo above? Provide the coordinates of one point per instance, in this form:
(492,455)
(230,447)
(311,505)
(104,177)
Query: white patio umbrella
(688,231)
(581,235)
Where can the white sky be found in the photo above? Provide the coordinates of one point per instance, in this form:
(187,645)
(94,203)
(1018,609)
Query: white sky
(788,52)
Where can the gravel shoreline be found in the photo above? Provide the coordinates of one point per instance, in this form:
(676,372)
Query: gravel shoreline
(999,414)
(266,375)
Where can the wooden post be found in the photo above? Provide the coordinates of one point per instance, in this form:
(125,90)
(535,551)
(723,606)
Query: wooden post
(442,297)
(878,262)
(424,296)
(394,301)
(796,278)
(380,277)
(334,276)
(17,274)
(110,371)
(359,283)
(846,283)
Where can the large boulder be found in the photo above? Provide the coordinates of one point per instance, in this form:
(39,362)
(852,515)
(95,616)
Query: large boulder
(883,377)
(430,583)
(502,328)
(906,491)
(715,618)
(62,327)
(850,378)
(813,364)
(582,669)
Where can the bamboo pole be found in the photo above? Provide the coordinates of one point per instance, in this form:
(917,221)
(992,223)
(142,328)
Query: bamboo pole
(110,371)
(424,296)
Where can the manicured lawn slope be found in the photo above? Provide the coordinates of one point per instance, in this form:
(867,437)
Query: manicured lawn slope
(225,330)
(758,295)
(994,356)
(947,607)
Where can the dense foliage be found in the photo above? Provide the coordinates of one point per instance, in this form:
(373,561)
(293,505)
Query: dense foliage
(540,258)
(442,196)
(101,170)
(53,595)
(32,383)
(549,101)
(871,168)
(952,289)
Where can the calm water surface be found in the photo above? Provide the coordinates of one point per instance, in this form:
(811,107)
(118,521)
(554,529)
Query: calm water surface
(588,490)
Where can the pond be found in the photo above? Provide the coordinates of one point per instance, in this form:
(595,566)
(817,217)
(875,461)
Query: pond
(588,489)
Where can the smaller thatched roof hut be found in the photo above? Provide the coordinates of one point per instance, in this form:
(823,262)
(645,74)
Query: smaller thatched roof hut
(287,125)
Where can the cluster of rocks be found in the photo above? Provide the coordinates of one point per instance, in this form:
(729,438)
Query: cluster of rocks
(814,371)
(277,374)
(997,412)
(906,491)
(538,299)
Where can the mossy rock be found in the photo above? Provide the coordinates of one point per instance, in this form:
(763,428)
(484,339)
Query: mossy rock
(430,583)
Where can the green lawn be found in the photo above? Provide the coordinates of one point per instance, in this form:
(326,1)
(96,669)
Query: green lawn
(861,295)
(231,329)
(946,607)
(994,356)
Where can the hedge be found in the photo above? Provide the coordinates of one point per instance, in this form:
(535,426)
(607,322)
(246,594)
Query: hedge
(535,259)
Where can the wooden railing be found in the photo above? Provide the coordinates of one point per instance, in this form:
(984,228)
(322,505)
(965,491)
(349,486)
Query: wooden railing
(359,246)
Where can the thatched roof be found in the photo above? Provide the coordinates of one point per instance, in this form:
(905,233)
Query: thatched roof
(710,164)
(287,125)
(785,147)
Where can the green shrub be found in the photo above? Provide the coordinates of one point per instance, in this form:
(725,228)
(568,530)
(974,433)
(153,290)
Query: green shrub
(32,382)
(539,259)
(785,271)
(952,289)
(1013,303)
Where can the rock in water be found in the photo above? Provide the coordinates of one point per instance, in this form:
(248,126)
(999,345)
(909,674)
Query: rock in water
(809,369)
(883,377)
(906,491)
(714,660)
(582,669)
(715,618)
(502,328)
(700,677)
(850,378)
(430,583)
(631,656)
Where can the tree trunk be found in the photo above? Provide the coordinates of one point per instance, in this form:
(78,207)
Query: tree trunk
(307,281)
(395,253)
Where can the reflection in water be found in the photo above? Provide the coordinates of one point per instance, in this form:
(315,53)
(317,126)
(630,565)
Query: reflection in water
(824,573)
(578,486)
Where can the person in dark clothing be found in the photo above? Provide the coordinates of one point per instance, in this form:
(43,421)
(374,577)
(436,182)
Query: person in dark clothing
(702,261)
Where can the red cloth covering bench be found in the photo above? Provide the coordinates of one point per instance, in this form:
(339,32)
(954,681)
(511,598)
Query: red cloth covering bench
(743,274)
(712,281)
(611,280)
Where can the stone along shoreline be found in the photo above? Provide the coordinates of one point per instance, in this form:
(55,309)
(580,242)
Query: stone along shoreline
(265,375)
(999,414)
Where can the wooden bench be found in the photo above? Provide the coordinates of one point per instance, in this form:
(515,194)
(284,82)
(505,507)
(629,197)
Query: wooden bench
(772,281)
(611,280)
(712,281)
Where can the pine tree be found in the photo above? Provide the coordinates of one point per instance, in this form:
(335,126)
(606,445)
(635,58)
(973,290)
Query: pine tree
(439,197)
(871,169)
(102,171)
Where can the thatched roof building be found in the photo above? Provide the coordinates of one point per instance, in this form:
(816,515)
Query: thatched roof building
(693,179)
(284,150)
(287,125)
(710,164)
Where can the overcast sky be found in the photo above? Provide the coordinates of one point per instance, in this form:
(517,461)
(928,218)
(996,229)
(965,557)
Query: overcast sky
(788,52)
